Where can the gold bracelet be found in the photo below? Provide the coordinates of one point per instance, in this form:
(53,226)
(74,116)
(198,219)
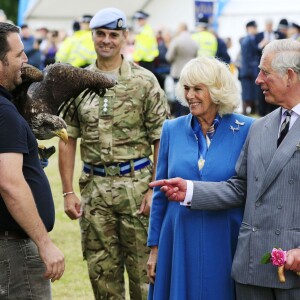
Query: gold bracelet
(67,193)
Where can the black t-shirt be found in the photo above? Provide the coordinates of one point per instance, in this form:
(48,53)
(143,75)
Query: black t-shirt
(17,137)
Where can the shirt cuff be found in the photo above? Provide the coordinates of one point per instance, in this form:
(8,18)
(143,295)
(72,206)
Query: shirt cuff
(189,193)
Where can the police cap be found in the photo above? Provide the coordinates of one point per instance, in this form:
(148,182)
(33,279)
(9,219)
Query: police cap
(202,20)
(140,15)
(109,18)
(251,24)
(296,26)
(283,24)
(86,19)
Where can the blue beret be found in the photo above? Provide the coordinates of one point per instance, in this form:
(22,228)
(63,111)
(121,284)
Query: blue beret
(109,18)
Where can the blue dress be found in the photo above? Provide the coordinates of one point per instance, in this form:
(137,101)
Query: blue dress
(195,248)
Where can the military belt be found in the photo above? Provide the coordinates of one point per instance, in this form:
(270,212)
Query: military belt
(117,168)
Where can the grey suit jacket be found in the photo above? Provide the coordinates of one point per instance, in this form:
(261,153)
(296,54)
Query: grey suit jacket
(268,178)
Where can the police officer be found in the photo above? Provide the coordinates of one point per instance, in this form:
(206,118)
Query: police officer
(145,44)
(78,49)
(206,40)
(117,133)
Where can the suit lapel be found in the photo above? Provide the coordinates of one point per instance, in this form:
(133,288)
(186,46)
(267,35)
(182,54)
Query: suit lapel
(268,138)
(282,154)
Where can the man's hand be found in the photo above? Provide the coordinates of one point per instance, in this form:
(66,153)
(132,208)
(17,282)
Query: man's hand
(174,188)
(146,203)
(73,207)
(54,261)
(151,264)
(293,260)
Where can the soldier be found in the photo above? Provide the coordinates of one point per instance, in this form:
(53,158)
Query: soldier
(117,132)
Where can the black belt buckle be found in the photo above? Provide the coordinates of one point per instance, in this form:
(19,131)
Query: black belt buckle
(112,170)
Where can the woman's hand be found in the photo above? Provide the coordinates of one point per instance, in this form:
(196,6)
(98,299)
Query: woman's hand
(151,264)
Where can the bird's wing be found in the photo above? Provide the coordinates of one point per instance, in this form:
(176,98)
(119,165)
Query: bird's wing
(60,85)
(63,83)
(29,75)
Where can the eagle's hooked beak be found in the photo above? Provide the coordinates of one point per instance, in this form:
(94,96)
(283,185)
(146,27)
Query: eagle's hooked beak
(62,134)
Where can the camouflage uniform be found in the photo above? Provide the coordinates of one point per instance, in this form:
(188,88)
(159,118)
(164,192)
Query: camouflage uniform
(118,127)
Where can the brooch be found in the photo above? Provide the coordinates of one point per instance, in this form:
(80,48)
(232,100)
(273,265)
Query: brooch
(201,163)
(238,123)
(234,128)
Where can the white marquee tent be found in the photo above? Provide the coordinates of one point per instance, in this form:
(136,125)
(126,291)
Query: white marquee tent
(56,14)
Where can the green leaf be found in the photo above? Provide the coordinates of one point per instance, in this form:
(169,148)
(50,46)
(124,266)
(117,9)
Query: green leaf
(266,258)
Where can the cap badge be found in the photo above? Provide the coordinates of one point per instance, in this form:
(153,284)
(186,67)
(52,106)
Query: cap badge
(120,23)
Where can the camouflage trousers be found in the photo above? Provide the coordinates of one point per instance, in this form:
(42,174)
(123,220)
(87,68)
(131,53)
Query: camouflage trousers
(114,235)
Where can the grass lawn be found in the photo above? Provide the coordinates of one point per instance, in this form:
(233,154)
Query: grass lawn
(75,283)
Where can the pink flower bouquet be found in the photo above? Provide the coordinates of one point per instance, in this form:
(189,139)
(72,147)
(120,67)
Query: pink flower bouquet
(278,258)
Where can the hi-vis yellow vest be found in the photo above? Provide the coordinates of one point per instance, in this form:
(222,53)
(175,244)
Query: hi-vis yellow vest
(77,50)
(207,43)
(145,45)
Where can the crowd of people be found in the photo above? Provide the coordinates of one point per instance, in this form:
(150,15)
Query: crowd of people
(187,203)
(251,50)
(164,51)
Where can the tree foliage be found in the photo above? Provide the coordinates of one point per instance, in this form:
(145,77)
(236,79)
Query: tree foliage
(10,7)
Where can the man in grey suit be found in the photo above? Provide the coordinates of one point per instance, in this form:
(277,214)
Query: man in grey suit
(267,183)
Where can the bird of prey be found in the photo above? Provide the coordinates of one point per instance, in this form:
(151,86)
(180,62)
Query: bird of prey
(42,95)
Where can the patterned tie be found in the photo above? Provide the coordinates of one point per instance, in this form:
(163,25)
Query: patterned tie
(284,129)
(212,129)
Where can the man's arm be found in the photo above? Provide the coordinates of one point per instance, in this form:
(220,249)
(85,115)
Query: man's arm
(155,156)
(205,195)
(226,194)
(219,195)
(20,203)
(210,195)
(66,162)
(147,200)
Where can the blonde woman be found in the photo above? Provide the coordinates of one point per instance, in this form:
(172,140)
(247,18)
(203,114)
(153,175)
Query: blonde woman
(192,251)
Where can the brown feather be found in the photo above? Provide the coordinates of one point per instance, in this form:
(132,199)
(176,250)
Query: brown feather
(60,84)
